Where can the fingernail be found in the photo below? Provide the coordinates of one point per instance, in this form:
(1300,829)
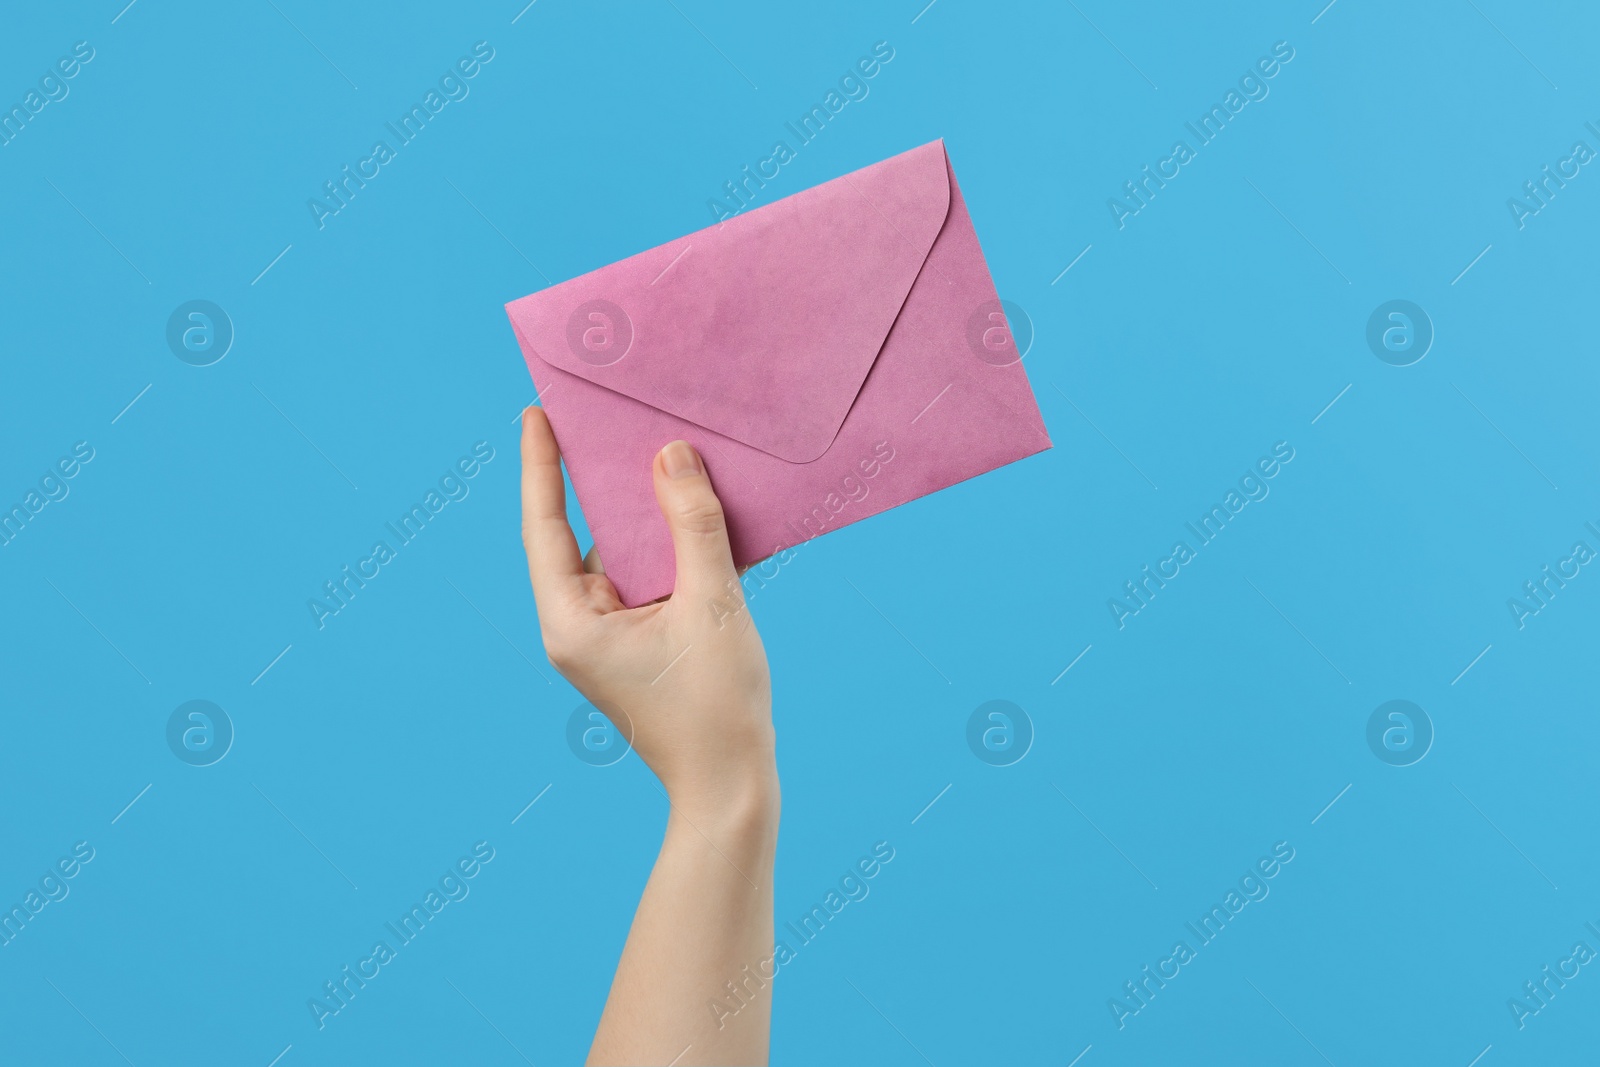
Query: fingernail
(680,460)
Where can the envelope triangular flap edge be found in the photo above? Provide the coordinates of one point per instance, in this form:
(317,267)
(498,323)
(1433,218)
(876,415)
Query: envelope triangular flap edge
(764,327)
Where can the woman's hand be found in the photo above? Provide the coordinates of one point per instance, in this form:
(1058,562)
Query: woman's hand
(684,679)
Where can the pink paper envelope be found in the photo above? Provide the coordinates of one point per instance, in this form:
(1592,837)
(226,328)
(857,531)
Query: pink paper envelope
(830,355)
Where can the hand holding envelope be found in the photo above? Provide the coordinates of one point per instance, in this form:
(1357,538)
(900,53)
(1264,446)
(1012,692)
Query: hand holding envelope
(848,332)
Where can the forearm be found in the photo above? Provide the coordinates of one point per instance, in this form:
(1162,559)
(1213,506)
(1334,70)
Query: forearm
(704,726)
(704,921)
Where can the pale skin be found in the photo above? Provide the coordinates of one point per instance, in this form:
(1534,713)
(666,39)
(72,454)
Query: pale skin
(686,680)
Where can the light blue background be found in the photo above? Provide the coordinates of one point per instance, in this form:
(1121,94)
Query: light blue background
(1222,319)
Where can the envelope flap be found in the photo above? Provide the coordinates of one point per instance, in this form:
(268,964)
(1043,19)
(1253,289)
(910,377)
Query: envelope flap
(763,327)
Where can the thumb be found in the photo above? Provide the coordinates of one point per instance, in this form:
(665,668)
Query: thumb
(694,516)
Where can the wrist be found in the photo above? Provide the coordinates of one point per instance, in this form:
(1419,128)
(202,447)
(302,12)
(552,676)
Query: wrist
(735,804)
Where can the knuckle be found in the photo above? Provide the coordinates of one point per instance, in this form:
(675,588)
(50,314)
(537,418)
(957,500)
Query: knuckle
(699,515)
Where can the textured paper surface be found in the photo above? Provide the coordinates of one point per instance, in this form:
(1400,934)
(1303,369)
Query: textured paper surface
(830,355)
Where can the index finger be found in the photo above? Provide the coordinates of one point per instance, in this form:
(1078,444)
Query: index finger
(553,560)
